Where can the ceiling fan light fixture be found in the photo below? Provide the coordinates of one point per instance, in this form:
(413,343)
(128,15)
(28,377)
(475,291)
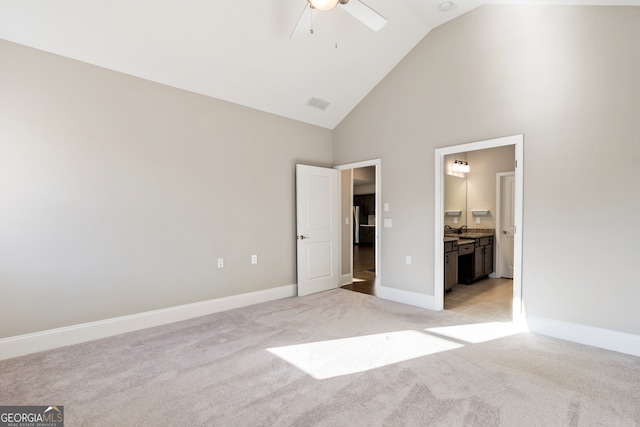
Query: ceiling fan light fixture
(323,4)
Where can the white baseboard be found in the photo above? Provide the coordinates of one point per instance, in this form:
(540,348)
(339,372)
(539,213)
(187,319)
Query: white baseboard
(406,297)
(583,334)
(75,334)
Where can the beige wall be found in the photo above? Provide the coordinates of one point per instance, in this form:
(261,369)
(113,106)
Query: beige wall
(568,78)
(118,195)
(364,189)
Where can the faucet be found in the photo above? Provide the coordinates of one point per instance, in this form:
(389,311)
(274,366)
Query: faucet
(448,227)
(461,229)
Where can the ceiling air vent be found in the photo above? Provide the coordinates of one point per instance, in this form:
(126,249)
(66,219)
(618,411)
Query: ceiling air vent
(320,104)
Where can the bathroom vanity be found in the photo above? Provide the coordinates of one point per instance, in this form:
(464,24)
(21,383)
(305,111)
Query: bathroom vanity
(467,257)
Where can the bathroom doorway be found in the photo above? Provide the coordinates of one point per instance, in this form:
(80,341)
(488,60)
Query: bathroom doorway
(477,213)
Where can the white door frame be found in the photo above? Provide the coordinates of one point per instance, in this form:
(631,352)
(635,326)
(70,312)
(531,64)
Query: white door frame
(363,164)
(440,153)
(499,236)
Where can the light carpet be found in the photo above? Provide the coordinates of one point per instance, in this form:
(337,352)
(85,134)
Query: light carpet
(336,358)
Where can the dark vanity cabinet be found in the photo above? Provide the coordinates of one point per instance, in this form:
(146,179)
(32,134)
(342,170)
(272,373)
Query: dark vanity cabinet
(450,265)
(466,253)
(483,257)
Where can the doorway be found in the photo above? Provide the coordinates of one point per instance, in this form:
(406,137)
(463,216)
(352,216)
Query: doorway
(505,227)
(476,218)
(360,233)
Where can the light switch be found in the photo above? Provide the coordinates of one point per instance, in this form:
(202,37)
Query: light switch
(386,207)
(346,220)
(455,219)
(408,259)
(477,220)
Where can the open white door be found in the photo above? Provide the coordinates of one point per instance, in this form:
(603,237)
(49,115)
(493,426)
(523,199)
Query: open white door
(318,229)
(507,224)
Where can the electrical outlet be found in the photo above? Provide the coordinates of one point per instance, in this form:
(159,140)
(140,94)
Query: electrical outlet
(220,262)
(254,259)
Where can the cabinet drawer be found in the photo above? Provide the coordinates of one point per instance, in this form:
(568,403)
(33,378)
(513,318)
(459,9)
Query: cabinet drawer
(484,241)
(448,246)
(466,249)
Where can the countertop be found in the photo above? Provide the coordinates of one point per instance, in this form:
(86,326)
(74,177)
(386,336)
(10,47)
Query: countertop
(461,240)
(465,238)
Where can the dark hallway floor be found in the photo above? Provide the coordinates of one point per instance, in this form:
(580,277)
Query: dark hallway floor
(364,275)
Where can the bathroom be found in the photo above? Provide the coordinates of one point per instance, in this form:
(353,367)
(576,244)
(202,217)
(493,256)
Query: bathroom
(472,183)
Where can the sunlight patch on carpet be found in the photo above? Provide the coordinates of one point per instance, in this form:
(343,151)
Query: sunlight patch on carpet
(478,332)
(334,358)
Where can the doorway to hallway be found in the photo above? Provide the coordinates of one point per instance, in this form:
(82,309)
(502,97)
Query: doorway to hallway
(361,208)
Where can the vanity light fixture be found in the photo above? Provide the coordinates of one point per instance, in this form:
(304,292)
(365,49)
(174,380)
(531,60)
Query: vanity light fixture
(460,166)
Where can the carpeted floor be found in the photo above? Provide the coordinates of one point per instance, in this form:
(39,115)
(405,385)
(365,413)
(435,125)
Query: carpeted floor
(338,358)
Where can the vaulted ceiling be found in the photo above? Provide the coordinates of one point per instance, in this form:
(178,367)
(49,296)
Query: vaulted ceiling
(240,51)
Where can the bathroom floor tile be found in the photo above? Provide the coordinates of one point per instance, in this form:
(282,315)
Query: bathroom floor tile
(488,299)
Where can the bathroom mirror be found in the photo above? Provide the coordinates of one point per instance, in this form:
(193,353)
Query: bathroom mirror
(455,201)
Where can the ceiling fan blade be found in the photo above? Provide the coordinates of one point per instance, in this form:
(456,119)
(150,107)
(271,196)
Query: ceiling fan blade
(365,14)
(304,22)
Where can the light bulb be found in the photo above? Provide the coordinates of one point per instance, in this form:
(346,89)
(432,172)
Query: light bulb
(323,4)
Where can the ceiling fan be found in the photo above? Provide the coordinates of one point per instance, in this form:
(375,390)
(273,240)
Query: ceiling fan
(356,8)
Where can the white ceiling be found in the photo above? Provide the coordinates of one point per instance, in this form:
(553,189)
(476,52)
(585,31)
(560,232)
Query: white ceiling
(239,51)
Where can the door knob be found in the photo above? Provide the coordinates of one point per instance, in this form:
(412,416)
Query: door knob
(303,237)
